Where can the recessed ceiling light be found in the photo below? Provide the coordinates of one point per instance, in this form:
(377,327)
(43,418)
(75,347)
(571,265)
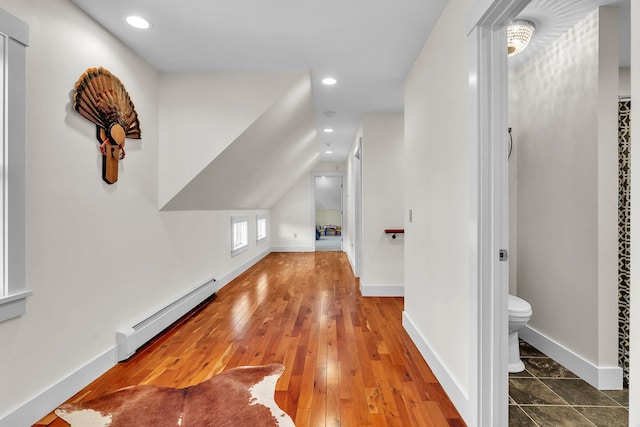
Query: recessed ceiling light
(138,22)
(328,152)
(329,81)
(328,130)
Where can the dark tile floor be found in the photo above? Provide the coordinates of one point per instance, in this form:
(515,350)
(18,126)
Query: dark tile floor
(547,394)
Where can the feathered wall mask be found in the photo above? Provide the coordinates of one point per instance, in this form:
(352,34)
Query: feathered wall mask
(101,98)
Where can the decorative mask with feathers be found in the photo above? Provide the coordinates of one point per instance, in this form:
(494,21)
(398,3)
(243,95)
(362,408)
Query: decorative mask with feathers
(101,98)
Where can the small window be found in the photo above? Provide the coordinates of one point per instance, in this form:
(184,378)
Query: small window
(239,234)
(261,228)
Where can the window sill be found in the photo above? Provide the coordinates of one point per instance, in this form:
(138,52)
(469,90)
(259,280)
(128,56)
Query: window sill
(13,305)
(239,250)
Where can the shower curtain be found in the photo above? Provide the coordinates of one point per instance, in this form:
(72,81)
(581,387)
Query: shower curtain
(624,227)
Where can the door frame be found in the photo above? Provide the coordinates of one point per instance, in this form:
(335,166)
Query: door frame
(489,234)
(331,173)
(357,155)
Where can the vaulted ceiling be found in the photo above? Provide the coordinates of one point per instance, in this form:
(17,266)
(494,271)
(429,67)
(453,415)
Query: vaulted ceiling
(367,45)
(216,55)
(234,140)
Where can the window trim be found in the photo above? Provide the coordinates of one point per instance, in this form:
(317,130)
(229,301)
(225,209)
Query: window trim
(236,250)
(13,292)
(259,218)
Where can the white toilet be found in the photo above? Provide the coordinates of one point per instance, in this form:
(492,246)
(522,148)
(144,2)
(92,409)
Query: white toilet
(519,314)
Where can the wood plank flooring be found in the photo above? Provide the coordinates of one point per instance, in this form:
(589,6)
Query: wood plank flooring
(348,360)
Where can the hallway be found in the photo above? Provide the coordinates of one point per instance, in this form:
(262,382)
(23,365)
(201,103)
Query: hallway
(348,361)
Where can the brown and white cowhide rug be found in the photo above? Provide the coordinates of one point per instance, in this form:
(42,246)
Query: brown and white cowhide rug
(237,397)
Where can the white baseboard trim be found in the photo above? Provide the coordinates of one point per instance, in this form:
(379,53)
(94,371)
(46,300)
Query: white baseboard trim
(381,290)
(43,403)
(457,395)
(293,249)
(601,377)
(351,262)
(224,280)
(49,399)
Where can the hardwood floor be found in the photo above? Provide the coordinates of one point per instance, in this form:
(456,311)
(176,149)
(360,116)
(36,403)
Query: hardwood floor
(348,360)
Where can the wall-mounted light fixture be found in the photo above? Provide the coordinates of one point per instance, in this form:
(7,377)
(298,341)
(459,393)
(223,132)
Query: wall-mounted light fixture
(519,33)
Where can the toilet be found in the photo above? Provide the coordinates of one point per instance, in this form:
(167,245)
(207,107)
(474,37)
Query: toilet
(519,314)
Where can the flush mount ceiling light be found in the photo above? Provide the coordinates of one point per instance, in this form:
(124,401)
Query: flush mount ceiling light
(329,81)
(328,130)
(519,33)
(138,22)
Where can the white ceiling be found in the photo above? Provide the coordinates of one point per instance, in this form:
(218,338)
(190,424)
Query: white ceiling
(367,45)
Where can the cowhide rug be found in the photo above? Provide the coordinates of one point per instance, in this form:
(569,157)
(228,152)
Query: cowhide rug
(237,397)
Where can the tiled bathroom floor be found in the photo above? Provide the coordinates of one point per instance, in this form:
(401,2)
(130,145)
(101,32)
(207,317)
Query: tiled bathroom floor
(547,394)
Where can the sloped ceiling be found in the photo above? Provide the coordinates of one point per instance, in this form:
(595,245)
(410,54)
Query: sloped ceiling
(367,45)
(257,167)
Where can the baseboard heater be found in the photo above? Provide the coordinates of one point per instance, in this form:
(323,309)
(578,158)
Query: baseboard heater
(131,339)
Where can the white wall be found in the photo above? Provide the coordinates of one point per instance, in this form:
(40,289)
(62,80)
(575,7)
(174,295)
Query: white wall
(218,107)
(607,297)
(292,228)
(382,268)
(328,217)
(437,191)
(624,81)
(99,257)
(243,172)
(293,214)
(513,182)
(330,166)
(349,235)
(566,136)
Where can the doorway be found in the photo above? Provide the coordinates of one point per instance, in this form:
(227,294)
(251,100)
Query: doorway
(328,212)
(556,210)
(489,88)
